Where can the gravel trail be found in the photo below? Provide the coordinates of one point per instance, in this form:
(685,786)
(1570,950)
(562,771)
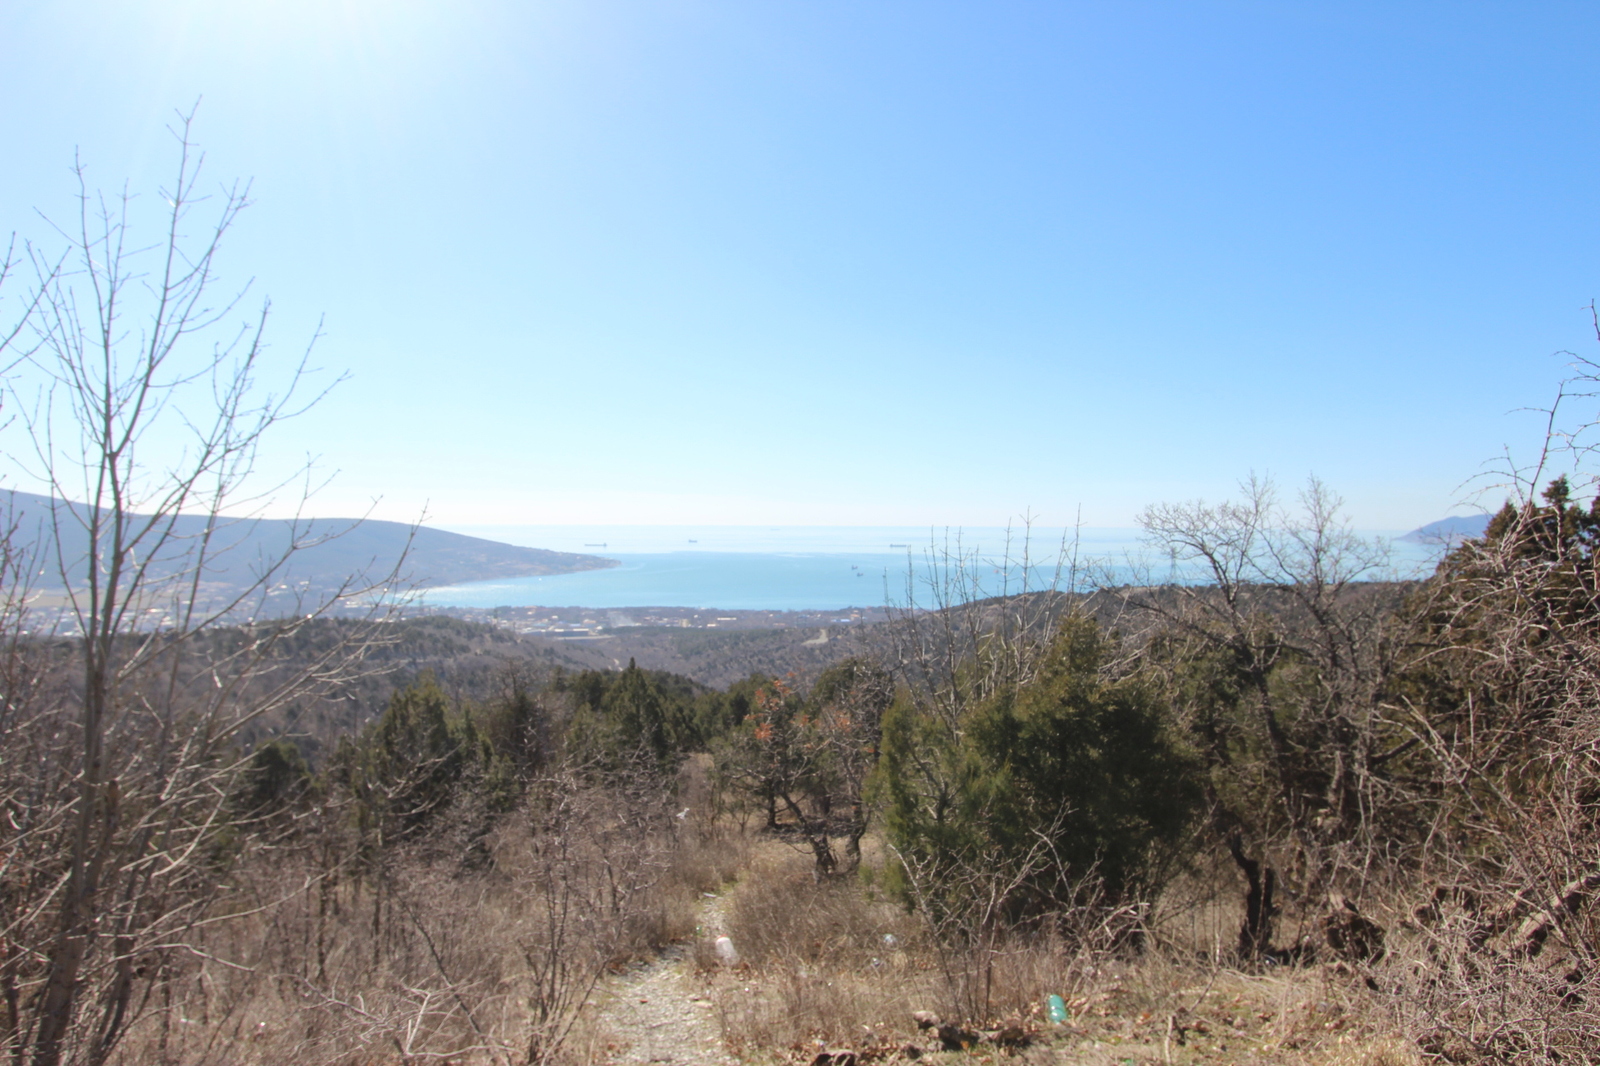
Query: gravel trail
(660,1012)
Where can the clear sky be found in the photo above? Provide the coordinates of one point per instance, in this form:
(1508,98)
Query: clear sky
(898,263)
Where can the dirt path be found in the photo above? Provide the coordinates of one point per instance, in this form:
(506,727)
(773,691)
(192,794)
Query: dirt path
(659,1012)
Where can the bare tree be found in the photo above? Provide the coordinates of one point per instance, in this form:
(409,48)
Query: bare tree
(140,407)
(849,701)
(959,636)
(1279,653)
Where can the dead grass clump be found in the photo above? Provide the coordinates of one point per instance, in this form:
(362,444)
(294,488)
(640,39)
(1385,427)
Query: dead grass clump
(1022,969)
(781,913)
(1170,1010)
(815,972)
(821,961)
(708,856)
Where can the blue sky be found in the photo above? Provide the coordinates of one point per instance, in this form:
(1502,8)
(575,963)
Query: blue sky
(880,263)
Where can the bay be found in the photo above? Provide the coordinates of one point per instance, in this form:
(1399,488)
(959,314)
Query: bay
(726,580)
(815,568)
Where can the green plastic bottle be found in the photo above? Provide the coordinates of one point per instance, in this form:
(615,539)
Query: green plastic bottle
(1056,1008)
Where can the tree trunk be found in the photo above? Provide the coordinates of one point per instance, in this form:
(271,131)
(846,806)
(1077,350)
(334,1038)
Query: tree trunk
(1255,934)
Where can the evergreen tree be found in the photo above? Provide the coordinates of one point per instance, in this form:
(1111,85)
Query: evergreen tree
(415,758)
(275,778)
(1074,764)
(629,720)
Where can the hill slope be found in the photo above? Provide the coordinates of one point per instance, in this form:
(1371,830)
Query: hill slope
(329,550)
(1449,530)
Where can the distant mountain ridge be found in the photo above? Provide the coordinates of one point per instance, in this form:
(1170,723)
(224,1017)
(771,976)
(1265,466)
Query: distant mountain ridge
(334,550)
(1449,530)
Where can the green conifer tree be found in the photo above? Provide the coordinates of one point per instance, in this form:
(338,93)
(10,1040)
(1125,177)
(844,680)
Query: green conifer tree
(1074,767)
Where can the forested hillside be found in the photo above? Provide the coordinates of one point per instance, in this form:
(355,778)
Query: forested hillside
(1381,789)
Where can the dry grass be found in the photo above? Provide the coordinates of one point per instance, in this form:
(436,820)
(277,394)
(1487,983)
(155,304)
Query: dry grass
(310,977)
(816,962)
(815,973)
(432,956)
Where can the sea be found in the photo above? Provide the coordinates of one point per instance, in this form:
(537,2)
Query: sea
(823,568)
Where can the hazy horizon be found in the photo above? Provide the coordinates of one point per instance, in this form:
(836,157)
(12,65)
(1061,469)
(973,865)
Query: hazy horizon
(646,538)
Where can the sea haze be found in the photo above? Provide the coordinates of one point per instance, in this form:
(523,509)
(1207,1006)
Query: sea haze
(802,568)
(826,540)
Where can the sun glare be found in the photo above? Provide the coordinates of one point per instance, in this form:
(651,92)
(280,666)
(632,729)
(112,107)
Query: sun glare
(325,39)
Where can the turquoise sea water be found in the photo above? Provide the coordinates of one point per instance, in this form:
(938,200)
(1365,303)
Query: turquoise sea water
(728,580)
(804,568)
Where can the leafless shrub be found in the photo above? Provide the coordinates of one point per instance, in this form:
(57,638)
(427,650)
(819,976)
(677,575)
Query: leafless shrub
(983,954)
(306,955)
(1499,955)
(958,635)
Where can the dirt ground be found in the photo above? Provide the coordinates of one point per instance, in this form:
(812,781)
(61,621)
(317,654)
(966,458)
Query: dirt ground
(660,1012)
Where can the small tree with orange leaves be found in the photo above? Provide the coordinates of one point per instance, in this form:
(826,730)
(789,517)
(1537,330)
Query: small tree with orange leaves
(780,756)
